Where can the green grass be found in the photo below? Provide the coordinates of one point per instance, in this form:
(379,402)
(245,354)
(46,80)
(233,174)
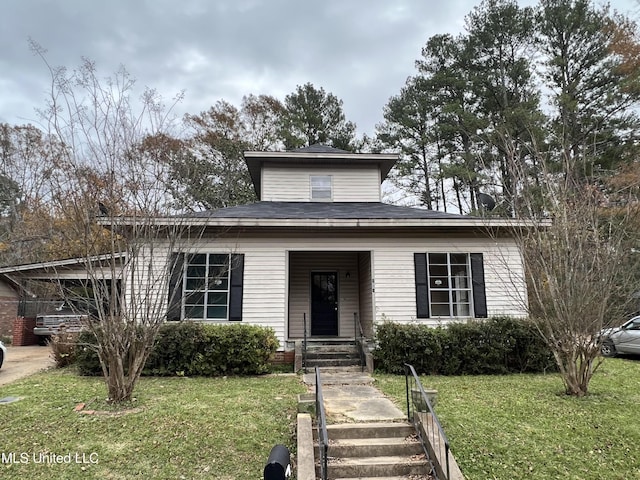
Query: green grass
(522,426)
(176,428)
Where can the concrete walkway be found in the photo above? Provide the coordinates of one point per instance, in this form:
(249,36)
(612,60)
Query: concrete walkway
(351,397)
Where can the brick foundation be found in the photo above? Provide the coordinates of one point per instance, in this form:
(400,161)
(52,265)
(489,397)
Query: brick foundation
(23,332)
(284,358)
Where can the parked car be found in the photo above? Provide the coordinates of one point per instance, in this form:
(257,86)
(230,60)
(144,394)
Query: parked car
(60,319)
(623,339)
(3,352)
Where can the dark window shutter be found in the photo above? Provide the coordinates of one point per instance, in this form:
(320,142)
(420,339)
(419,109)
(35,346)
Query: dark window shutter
(176,272)
(479,294)
(236,289)
(422,287)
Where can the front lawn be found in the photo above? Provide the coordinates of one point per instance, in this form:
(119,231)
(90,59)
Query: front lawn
(522,426)
(177,428)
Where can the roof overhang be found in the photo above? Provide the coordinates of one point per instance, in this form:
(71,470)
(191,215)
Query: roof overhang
(475,224)
(67,269)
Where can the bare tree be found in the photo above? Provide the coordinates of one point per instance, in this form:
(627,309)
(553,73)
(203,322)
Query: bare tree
(105,182)
(580,271)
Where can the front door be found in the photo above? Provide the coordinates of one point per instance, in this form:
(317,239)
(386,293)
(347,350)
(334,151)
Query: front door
(324,304)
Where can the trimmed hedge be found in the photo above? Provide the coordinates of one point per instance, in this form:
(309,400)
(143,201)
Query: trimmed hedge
(191,348)
(497,345)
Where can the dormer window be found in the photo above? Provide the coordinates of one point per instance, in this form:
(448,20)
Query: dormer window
(321,188)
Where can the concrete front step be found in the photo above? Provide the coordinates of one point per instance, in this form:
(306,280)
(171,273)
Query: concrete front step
(332,362)
(377,466)
(374,447)
(335,347)
(402,477)
(369,430)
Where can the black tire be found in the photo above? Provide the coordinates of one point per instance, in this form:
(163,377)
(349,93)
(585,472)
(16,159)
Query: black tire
(608,349)
(1,358)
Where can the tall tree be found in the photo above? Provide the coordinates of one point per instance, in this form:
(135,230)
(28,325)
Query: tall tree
(408,127)
(312,116)
(500,36)
(209,172)
(594,85)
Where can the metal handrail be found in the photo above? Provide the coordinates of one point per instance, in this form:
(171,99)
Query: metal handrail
(359,339)
(304,343)
(437,438)
(321,420)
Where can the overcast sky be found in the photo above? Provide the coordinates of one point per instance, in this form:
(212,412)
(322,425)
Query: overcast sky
(360,50)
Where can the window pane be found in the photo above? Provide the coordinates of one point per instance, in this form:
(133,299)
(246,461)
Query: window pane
(438,271)
(440,297)
(199,259)
(196,298)
(196,271)
(460,296)
(440,310)
(218,271)
(217,298)
(460,282)
(458,258)
(195,284)
(439,282)
(438,258)
(461,310)
(194,311)
(218,312)
(216,259)
(218,284)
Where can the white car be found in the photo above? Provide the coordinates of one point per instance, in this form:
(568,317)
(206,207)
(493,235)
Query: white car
(3,353)
(623,339)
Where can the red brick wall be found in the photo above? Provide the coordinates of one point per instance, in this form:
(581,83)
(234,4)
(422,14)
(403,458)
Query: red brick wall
(284,358)
(23,332)
(8,314)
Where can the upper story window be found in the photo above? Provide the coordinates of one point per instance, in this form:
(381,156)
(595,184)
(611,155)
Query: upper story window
(321,187)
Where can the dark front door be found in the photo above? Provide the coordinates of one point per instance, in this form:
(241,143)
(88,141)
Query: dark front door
(324,304)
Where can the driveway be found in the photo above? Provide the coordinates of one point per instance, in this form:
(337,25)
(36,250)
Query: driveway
(21,362)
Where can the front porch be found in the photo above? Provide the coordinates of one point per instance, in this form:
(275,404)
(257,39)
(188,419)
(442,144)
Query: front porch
(330,295)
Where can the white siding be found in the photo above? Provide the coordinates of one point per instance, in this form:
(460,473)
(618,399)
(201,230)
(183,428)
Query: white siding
(287,184)
(272,288)
(365,292)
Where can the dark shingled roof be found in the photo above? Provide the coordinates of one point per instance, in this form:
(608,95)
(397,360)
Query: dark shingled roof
(318,148)
(325,210)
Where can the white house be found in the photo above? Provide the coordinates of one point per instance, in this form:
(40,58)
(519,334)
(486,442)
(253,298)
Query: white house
(320,248)
(319,252)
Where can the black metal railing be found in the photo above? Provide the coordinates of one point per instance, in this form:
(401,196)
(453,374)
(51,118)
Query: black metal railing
(304,342)
(359,340)
(421,415)
(321,421)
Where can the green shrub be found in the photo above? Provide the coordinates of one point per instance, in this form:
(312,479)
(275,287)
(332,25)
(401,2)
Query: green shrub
(191,348)
(494,346)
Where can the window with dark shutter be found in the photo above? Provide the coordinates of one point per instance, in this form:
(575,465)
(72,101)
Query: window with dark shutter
(236,292)
(422,288)
(207,286)
(176,267)
(449,285)
(479,292)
